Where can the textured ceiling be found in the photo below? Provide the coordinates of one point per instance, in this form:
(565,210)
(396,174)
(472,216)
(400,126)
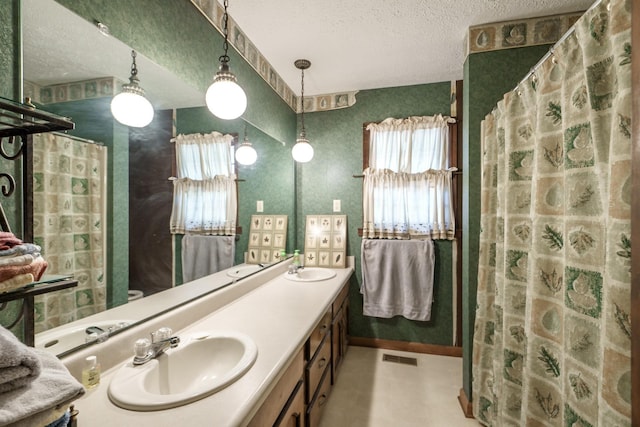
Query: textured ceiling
(358,44)
(352,44)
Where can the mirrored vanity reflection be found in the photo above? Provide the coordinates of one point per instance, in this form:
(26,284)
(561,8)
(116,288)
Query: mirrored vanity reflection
(97,328)
(73,70)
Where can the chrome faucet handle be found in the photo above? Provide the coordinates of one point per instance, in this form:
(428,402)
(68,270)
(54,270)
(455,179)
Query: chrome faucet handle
(161,334)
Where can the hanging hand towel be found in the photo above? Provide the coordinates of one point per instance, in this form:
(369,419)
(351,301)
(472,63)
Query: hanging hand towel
(204,255)
(397,278)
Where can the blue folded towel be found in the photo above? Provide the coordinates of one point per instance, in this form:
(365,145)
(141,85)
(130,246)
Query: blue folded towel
(62,421)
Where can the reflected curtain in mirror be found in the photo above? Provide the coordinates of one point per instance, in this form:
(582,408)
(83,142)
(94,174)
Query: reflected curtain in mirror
(204,193)
(69,209)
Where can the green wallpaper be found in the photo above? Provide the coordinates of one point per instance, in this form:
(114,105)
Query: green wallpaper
(175,35)
(10,66)
(94,121)
(336,137)
(487,76)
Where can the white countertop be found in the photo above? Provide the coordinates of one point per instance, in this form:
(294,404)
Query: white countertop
(278,315)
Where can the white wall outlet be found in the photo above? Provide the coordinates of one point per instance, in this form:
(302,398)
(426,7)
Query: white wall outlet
(260,206)
(336,205)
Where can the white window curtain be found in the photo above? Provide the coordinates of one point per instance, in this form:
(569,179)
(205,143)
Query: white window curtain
(204,193)
(407,187)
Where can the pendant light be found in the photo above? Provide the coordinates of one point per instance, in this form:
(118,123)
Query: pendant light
(246,154)
(225,98)
(302,151)
(130,107)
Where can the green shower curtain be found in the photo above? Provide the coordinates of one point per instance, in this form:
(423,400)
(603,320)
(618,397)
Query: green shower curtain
(552,334)
(69,208)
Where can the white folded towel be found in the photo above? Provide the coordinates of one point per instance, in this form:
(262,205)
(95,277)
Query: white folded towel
(19,364)
(35,404)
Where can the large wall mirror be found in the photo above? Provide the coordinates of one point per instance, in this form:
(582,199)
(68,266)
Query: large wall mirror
(72,69)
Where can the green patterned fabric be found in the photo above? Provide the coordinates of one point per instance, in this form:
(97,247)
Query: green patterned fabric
(69,194)
(552,335)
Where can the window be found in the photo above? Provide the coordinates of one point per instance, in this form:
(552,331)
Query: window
(407,188)
(204,193)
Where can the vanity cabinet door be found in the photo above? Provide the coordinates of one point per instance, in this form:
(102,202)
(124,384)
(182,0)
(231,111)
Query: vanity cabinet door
(293,414)
(281,394)
(339,331)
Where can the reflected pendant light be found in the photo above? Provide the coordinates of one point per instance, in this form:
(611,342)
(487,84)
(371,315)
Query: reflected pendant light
(302,151)
(246,154)
(130,107)
(225,98)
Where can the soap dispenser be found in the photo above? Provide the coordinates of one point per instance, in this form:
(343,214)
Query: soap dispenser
(296,258)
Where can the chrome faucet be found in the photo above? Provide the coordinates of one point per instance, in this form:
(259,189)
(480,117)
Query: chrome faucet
(146,349)
(294,268)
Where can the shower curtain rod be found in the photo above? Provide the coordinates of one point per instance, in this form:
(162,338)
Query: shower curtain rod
(552,49)
(77,138)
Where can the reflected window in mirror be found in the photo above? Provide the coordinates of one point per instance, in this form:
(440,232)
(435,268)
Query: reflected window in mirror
(205,205)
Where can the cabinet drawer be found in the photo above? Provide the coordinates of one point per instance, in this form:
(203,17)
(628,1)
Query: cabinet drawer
(293,414)
(318,365)
(315,408)
(318,334)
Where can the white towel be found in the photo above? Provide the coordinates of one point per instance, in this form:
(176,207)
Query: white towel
(397,278)
(19,364)
(42,400)
(204,255)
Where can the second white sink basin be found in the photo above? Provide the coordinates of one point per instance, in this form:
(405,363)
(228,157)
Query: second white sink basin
(202,364)
(240,271)
(311,274)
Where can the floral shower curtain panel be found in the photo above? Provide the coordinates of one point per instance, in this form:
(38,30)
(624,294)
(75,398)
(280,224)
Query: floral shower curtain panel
(552,333)
(69,204)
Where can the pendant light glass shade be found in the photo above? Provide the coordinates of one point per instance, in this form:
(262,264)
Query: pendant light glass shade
(225,98)
(246,154)
(302,151)
(130,107)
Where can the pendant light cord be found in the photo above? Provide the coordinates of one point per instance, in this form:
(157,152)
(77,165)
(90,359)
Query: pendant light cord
(303,133)
(134,68)
(225,30)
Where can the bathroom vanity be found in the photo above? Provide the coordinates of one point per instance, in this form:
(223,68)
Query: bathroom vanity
(299,329)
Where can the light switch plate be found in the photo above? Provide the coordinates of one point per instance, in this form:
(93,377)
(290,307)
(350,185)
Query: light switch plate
(336,205)
(259,206)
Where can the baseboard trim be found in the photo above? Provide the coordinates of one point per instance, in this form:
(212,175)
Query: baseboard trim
(415,347)
(465,404)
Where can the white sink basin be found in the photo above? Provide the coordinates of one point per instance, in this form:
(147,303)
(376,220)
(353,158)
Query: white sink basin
(202,364)
(64,338)
(311,274)
(240,271)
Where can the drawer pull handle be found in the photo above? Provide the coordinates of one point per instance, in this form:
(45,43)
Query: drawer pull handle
(298,418)
(324,327)
(322,399)
(322,363)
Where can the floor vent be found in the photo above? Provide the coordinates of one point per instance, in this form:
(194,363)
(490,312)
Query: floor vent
(400,359)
